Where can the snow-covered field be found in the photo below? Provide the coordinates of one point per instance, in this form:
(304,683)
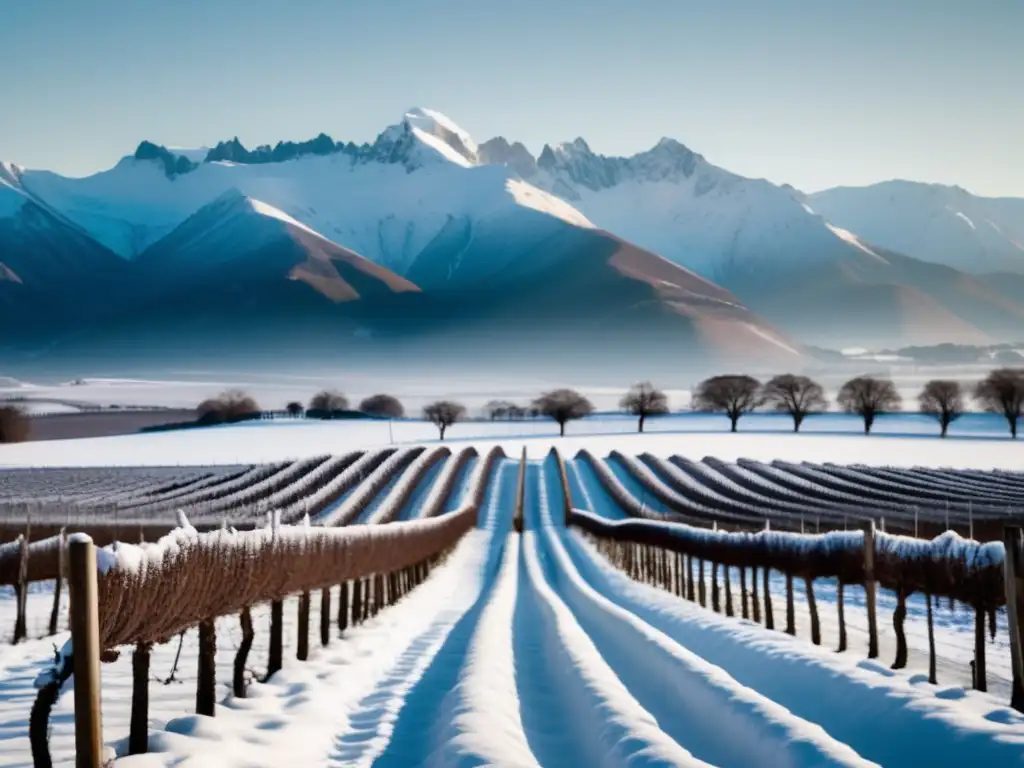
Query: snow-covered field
(977,441)
(531,650)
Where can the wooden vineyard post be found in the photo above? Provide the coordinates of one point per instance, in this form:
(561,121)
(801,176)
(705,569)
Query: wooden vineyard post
(85,642)
(1012,544)
(869,588)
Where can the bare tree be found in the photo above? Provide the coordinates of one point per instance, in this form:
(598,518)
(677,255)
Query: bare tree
(443,414)
(733,395)
(869,397)
(229,405)
(1002,391)
(644,400)
(294,408)
(14,425)
(383,405)
(944,400)
(563,405)
(329,400)
(799,396)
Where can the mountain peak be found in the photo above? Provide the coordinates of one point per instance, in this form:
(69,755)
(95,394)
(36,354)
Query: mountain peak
(425,135)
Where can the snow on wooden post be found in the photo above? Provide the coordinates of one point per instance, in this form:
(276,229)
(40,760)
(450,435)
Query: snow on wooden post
(869,588)
(1012,583)
(85,641)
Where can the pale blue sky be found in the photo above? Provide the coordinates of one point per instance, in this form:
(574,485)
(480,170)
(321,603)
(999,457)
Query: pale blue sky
(811,93)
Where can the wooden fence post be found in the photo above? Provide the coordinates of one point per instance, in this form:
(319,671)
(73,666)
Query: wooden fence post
(869,588)
(85,643)
(1011,565)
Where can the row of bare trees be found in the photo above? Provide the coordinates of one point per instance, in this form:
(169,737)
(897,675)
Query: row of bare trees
(1001,392)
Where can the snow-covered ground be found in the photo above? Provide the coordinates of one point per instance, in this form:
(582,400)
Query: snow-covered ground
(978,441)
(533,651)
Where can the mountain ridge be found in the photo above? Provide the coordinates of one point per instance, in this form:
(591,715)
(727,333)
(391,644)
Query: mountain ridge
(429,206)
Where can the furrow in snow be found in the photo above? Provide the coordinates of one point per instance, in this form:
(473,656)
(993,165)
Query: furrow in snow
(695,702)
(884,716)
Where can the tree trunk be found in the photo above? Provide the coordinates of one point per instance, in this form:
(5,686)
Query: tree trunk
(980,675)
(744,611)
(55,610)
(898,618)
(206,685)
(840,606)
(442,428)
(343,607)
(728,592)
(640,428)
(690,586)
(325,616)
(812,605)
(1013,427)
(769,615)
(868,422)
(561,429)
(276,655)
(138,732)
(790,613)
(302,651)
(357,602)
(945,427)
(242,655)
(932,678)
(755,606)
(734,420)
(716,606)
(798,419)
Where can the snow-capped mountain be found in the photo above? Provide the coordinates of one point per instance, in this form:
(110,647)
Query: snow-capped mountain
(946,225)
(412,235)
(423,228)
